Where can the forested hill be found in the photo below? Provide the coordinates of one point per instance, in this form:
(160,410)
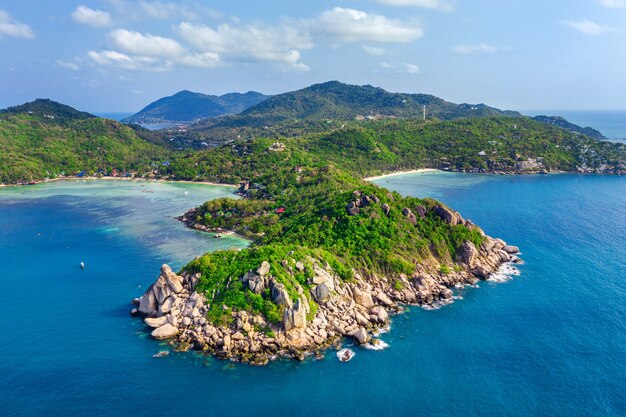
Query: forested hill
(38,143)
(323,106)
(336,100)
(564,124)
(187,106)
(47,139)
(47,111)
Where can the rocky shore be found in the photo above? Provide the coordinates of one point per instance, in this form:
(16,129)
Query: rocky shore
(177,310)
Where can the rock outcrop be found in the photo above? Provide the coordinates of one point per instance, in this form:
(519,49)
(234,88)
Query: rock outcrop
(312,316)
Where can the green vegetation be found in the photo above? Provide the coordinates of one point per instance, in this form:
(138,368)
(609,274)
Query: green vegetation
(307,202)
(187,106)
(33,147)
(316,225)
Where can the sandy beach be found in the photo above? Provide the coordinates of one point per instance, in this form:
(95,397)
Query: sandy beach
(393,174)
(217,184)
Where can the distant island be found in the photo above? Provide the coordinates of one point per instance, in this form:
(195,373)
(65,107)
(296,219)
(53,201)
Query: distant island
(331,255)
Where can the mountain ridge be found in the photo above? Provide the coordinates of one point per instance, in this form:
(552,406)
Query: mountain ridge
(187,106)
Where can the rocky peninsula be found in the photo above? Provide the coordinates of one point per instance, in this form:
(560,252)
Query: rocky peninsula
(322,310)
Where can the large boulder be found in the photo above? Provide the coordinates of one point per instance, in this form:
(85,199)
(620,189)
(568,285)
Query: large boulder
(379,314)
(148,301)
(167,305)
(384,299)
(155,322)
(504,256)
(409,215)
(362,336)
(164,332)
(321,292)
(280,295)
(322,277)
(352,208)
(511,249)
(264,269)
(449,216)
(469,253)
(161,289)
(295,318)
(256,283)
(363,298)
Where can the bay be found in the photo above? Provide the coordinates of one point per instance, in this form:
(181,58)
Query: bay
(551,341)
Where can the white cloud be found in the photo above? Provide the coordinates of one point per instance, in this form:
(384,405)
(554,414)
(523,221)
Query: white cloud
(11,27)
(588,27)
(249,43)
(119,60)
(405,68)
(373,50)
(411,69)
(613,4)
(161,10)
(236,42)
(349,25)
(148,45)
(201,60)
(68,65)
(136,51)
(442,5)
(480,48)
(165,10)
(90,17)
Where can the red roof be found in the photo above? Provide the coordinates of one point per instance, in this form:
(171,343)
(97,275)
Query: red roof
(279,210)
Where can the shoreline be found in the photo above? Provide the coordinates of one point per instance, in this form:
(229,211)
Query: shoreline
(326,309)
(396,173)
(216,184)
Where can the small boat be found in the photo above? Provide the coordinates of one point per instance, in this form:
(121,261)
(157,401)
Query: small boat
(82,265)
(161,354)
(217,236)
(344,355)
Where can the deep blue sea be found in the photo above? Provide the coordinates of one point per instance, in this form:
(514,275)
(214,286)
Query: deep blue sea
(550,342)
(114,115)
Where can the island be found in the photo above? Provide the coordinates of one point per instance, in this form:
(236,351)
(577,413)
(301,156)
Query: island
(331,255)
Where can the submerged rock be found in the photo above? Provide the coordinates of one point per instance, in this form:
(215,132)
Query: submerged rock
(345,355)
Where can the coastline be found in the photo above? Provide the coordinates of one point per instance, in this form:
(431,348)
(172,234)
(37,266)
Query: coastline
(396,173)
(174,310)
(216,184)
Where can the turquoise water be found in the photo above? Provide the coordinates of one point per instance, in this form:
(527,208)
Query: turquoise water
(611,123)
(549,342)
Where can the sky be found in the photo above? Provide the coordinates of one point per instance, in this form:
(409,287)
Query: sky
(119,55)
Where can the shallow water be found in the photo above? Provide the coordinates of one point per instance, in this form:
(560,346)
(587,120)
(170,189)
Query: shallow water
(551,341)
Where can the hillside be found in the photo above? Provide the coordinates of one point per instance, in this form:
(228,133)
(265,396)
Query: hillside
(331,256)
(336,100)
(187,107)
(330,105)
(564,124)
(34,145)
(47,111)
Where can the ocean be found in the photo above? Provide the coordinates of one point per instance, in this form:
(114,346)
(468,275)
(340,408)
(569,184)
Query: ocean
(611,123)
(551,341)
(114,115)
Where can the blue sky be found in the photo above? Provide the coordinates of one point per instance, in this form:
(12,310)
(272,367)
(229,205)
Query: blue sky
(119,55)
